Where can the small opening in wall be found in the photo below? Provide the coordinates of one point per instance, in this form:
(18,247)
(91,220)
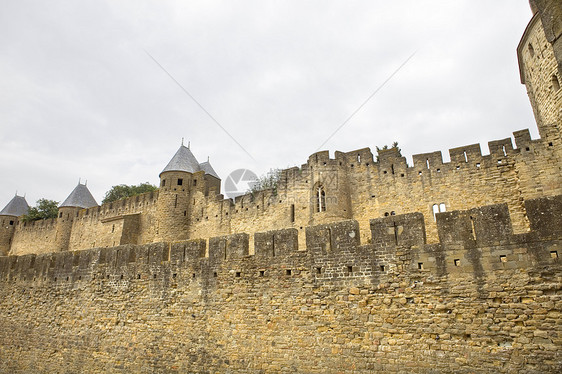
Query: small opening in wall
(499,161)
(478,165)
(420,265)
(386,214)
(384,172)
(555,83)
(107,276)
(458,167)
(185,213)
(60,215)
(439,170)
(215,274)
(402,175)
(138,276)
(121,276)
(180,182)
(262,273)
(318,270)
(554,254)
(154,276)
(531,50)
(349,269)
(457,262)
(419,172)
(195,182)
(372,196)
(238,274)
(550,144)
(163,184)
(393,213)
(288,272)
(503,258)
(527,149)
(193,275)
(465,156)
(174,275)
(11,223)
(55,279)
(382,267)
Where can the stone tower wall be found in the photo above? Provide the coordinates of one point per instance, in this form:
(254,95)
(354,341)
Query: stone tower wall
(174,204)
(7,228)
(538,68)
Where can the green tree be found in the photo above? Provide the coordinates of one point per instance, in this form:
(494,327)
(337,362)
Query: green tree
(267,181)
(43,210)
(122,191)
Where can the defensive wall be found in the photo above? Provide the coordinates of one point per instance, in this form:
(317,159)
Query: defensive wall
(481,299)
(357,186)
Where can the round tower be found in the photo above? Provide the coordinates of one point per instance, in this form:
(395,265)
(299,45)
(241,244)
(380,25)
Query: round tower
(539,72)
(79,198)
(8,218)
(176,181)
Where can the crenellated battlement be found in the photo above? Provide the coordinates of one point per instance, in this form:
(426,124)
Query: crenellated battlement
(397,242)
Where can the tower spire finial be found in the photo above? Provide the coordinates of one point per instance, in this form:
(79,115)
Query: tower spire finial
(188,145)
(182,141)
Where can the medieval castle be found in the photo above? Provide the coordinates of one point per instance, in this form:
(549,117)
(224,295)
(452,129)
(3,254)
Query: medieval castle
(351,264)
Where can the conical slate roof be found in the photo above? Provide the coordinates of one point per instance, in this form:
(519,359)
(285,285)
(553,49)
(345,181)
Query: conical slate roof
(183,160)
(208,169)
(16,207)
(80,197)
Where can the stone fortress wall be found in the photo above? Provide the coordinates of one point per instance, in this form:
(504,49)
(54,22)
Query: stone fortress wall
(482,299)
(345,267)
(356,186)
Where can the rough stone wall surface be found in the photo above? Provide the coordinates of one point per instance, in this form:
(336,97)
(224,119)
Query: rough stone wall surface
(481,300)
(103,226)
(7,227)
(539,70)
(34,237)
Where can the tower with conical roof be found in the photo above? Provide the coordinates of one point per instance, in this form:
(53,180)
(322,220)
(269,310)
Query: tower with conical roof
(8,218)
(176,180)
(79,198)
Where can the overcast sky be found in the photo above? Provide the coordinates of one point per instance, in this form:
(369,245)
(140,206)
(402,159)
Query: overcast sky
(82,98)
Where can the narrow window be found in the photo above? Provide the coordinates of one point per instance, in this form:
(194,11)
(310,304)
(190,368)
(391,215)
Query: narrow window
(427,162)
(442,207)
(318,270)
(420,265)
(349,269)
(554,254)
(473,230)
(288,272)
(163,184)
(113,228)
(504,151)
(11,223)
(292,212)
(435,209)
(392,168)
(262,273)
(382,267)
(555,83)
(465,157)
(358,158)
(60,215)
(503,258)
(176,202)
(238,274)
(180,181)
(195,182)
(320,199)
(457,262)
